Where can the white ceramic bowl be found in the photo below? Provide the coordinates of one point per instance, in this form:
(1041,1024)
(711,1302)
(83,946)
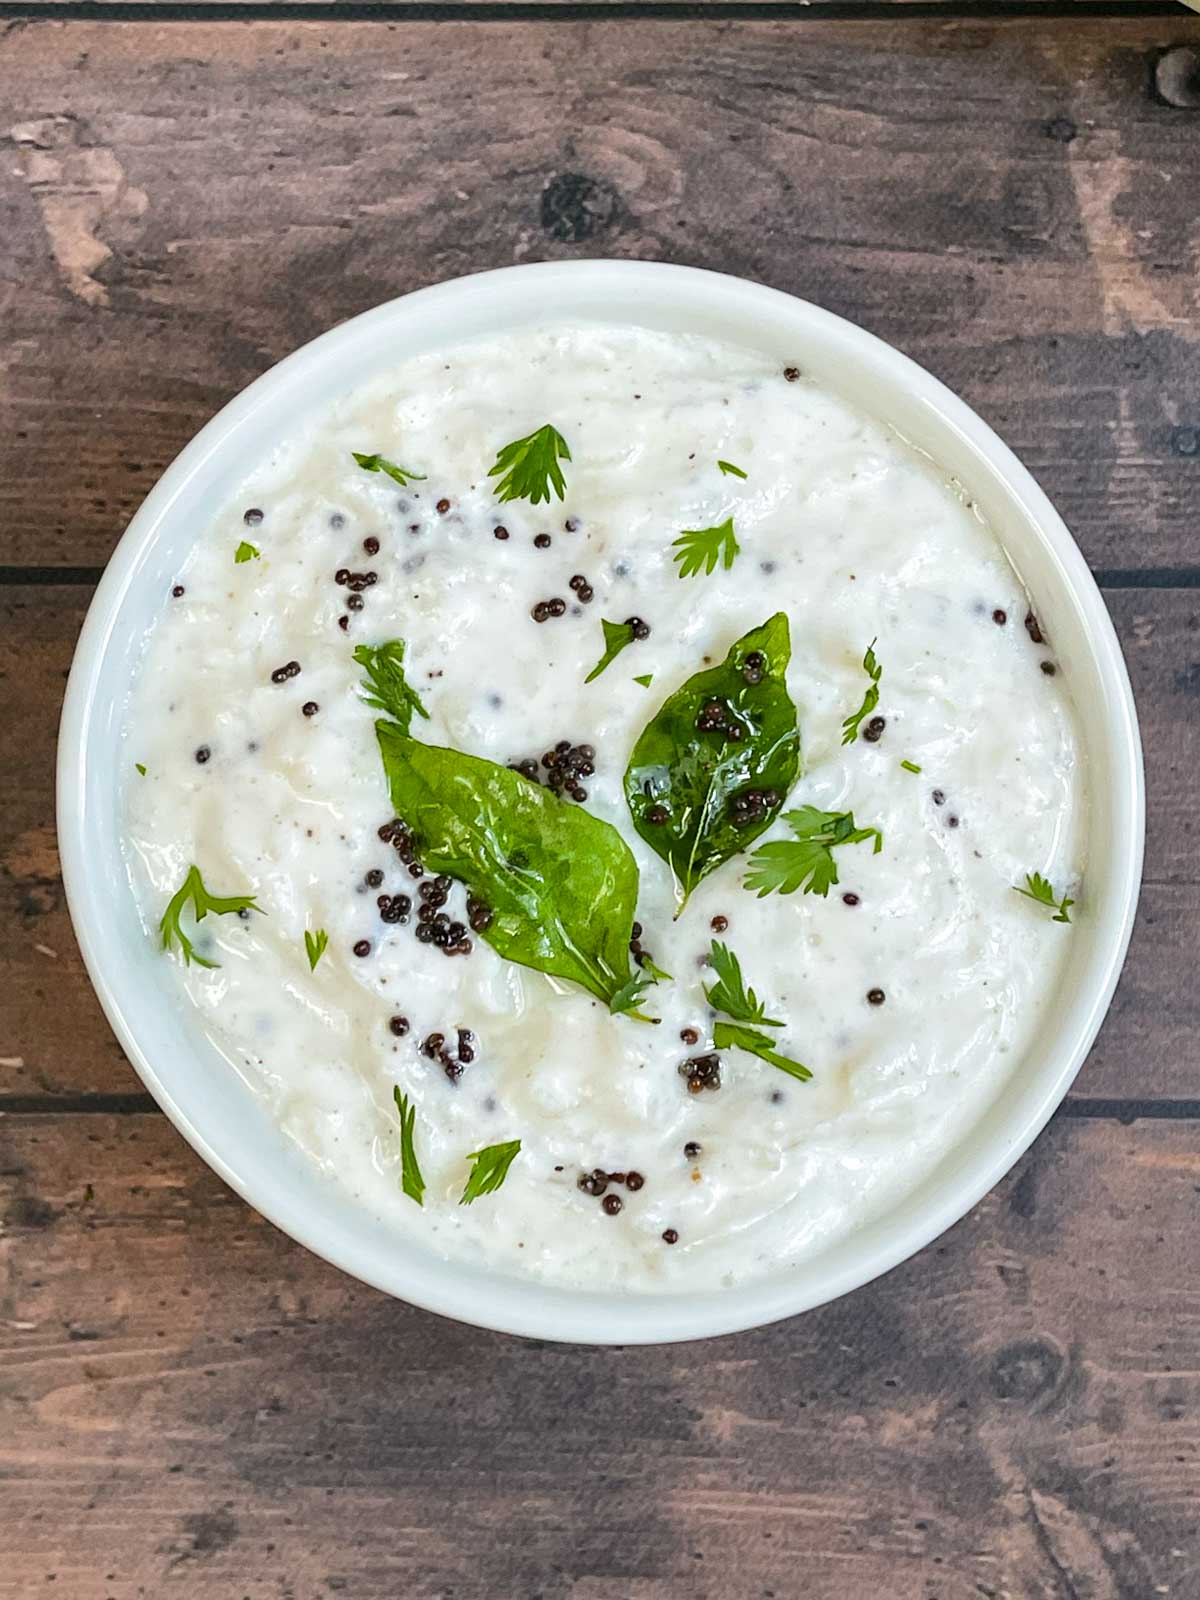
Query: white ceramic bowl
(212,1107)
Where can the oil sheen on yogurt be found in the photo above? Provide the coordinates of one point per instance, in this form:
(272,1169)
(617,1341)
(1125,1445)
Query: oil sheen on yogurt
(276,788)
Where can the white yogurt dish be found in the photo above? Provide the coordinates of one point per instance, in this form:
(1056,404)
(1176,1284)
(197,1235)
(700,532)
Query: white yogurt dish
(939,1013)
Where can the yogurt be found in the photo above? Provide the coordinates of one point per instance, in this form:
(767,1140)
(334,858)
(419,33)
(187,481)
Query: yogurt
(911,991)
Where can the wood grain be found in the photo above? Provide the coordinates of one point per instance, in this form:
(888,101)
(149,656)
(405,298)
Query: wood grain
(195,1405)
(54,1041)
(1009,202)
(798,10)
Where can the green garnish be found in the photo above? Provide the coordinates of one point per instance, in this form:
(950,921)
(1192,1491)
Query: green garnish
(314,944)
(528,468)
(1039,889)
(730,471)
(561,884)
(730,994)
(616,636)
(140,768)
(387,689)
(656,972)
(376,463)
(630,995)
(806,862)
(910,766)
(730,1036)
(698,797)
(700,549)
(870,699)
(490,1169)
(246,552)
(192,888)
(411,1179)
(646,679)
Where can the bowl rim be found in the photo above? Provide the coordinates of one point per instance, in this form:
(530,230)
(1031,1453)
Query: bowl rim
(521,1306)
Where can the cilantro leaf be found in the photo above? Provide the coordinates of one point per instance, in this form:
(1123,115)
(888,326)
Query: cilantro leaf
(730,471)
(246,552)
(377,463)
(411,1178)
(870,699)
(616,636)
(387,689)
(140,768)
(730,1036)
(314,944)
(730,994)
(629,996)
(1039,889)
(700,549)
(806,862)
(490,1169)
(528,468)
(646,679)
(648,964)
(192,888)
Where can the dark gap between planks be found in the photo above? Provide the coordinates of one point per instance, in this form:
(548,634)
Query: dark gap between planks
(1106,577)
(581,10)
(139,1105)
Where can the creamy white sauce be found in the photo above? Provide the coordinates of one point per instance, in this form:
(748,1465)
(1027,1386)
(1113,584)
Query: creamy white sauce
(841,526)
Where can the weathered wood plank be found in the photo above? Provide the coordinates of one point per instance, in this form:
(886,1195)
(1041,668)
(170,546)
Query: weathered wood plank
(193,1402)
(54,1041)
(799,9)
(1009,202)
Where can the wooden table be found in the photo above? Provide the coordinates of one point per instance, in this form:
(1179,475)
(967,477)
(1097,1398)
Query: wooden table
(192,1405)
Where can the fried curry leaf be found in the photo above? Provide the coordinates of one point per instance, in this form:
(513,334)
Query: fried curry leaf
(560,883)
(699,797)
